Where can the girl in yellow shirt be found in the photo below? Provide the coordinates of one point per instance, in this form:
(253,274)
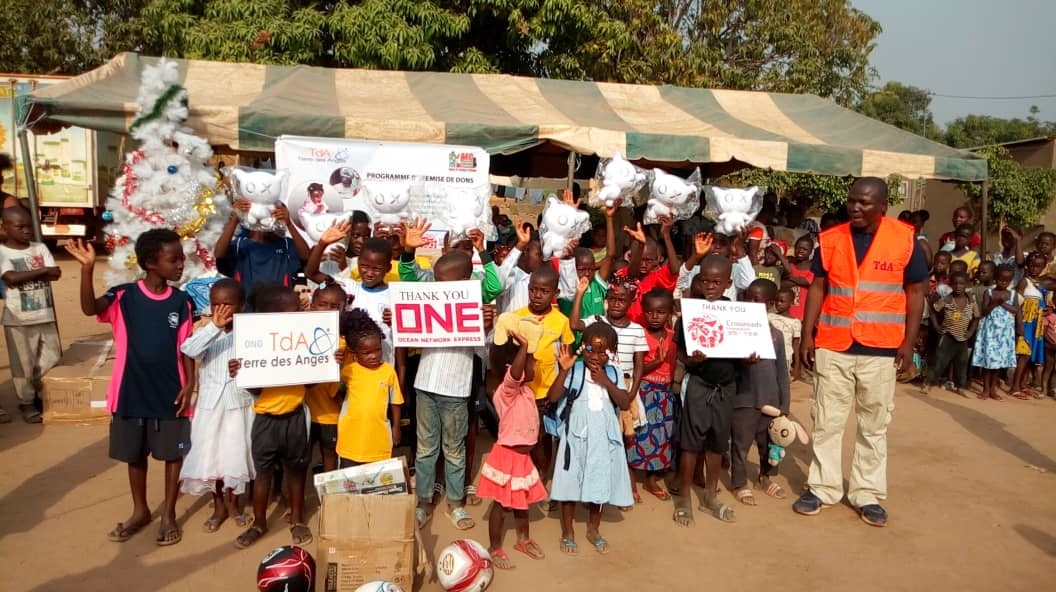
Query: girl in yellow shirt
(364,432)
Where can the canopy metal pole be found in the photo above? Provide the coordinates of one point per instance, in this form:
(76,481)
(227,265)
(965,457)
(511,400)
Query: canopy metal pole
(984,215)
(571,168)
(31,183)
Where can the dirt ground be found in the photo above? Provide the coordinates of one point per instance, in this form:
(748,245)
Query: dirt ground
(971,508)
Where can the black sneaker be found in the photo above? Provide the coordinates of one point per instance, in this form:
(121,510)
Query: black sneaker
(808,504)
(873,515)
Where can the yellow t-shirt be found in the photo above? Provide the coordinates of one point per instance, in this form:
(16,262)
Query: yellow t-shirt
(279,400)
(394,271)
(363,432)
(556,331)
(320,397)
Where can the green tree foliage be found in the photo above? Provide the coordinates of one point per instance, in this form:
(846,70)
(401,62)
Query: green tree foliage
(971,131)
(903,106)
(1017,195)
(825,193)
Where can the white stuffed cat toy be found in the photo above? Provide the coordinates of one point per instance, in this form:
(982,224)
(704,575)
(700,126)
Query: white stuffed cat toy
(735,208)
(265,189)
(619,180)
(388,203)
(464,208)
(670,196)
(561,224)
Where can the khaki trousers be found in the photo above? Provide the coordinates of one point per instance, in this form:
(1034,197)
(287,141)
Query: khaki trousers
(32,351)
(867,382)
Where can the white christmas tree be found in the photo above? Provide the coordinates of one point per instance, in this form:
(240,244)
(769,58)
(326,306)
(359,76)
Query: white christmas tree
(166,182)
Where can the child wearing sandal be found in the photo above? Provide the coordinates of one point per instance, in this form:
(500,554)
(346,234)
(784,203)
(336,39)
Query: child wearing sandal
(591,465)
(219,462)
(150,395)
(995,342)
(508,476)
(324,405)
(280,434)
(765,383)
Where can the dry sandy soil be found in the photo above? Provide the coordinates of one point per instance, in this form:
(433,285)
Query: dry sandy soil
(971,508)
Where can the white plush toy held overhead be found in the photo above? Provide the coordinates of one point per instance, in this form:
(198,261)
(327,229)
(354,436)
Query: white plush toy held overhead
(464,208)
(735,208)
(561,224)
(388,203)
(619,180)
(265,189)
(316,224)
(671,196)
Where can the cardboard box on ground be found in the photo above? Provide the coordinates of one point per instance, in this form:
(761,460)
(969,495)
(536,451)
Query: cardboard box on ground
(364,537)
(75,389)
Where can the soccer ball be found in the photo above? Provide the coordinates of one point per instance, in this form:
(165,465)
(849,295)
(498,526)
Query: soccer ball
(379,586)
(464,566)
(287,569)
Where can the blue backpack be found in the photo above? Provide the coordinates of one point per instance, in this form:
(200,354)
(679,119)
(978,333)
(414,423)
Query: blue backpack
(555,420)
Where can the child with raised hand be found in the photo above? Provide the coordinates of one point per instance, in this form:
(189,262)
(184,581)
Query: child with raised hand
(582,264)
(508,476)
(704,427)
(413,238)
(279,436)
(344,261)
(630,349)
(764,383)
(954,318)
(150,394)
(542,289)
(260,257)
(995,343)
(365,433)
(322,399)
(29,315)
(653,448)
(647,268)
(591,464)
(220,462)
(517,268)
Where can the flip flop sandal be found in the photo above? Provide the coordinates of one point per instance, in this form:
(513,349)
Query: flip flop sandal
(721,511)
(122,533)
(1022,396)
(527,546)
(243,520)
(601,545)
(568,547)
(302,535)
(458,516)
(5,417)
(501,560)
(637,497)
(30,414)
(213,524)
(169,537)
(421,517)
(683,517)
(250,536)
(471,496)
(745,497)
(775,491)
(660,494)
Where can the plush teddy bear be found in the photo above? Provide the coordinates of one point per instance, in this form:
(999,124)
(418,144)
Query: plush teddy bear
(527,327)
(265,189)
(783,431)
(619,180)
(561,224)
(670,196)
(736,208)
(388,203)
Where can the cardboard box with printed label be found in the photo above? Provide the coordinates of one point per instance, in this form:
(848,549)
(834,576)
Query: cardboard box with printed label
(386,476)
(75,389)
(364,538)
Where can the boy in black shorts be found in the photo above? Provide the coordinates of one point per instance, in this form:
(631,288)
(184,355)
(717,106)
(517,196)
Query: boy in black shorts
(152,385)
(708,405)
(280,435)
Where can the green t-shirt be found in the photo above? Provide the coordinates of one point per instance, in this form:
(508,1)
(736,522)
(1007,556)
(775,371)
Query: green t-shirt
(593,303)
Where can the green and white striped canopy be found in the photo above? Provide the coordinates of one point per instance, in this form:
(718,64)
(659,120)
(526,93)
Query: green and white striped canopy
(246,106)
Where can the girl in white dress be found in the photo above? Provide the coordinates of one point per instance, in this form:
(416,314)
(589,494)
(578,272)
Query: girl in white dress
(219,462)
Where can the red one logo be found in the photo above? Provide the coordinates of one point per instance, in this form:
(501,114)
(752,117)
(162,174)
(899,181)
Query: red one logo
(706,330)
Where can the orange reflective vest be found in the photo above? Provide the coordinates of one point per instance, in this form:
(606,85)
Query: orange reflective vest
(865,303)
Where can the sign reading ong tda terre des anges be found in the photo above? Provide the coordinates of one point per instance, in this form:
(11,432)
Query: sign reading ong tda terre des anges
(437,314)
(279,349)
(723,329)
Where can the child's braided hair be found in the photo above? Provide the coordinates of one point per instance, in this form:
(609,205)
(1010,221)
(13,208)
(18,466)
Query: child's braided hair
(357,324)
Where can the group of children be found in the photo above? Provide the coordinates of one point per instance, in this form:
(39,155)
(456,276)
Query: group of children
(994,314)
